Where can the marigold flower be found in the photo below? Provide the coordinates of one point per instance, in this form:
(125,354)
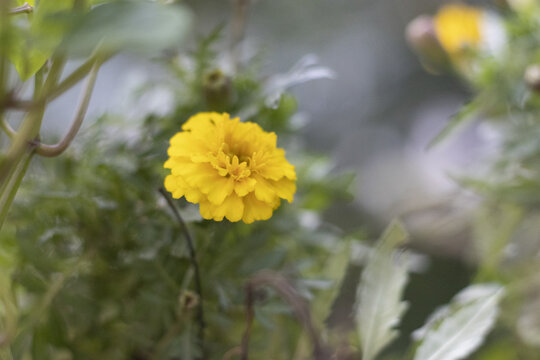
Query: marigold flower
(232,169)
(458,26)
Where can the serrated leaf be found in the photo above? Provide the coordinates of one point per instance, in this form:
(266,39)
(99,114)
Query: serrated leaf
(379,307)
(466,114)
(456,330)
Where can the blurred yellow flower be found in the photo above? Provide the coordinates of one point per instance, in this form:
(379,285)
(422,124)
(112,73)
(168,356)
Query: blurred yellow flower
(458,27)
(232,169)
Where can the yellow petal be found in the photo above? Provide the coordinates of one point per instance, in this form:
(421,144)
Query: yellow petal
(458,26)
(284,188)
(267,190)
(221,189)
(232,208)
(193,195)
(255,209)
(206,210)
(244,186)
(170,183)
(263,190)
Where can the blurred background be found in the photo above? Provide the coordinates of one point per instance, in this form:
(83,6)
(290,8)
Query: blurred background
(375,117)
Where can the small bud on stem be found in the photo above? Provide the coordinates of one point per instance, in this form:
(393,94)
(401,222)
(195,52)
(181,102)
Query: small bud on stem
(24,8)
(422,38)
(532,77)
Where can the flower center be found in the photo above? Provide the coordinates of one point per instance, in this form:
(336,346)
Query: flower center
(231,165)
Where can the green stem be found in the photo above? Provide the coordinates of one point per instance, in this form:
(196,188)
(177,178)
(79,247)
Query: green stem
(6,198)
(6,127)
(7,299)
(29,131)
(74,78)
(62,145)
(22,143)
(4,46)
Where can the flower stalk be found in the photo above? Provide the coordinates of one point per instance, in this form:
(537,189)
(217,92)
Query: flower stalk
(194,263)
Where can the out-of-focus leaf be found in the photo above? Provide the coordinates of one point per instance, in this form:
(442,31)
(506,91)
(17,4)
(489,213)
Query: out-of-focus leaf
(528,324)
(379,306)
(138,26)
(463,117)
(499,350)
(493,230)
(8,248)
(456,330)
(21,2)
(8,308)
(37,36)
(306,69)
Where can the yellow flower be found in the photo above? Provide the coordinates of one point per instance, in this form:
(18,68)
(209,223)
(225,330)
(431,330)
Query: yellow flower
(458,27)
(232,169)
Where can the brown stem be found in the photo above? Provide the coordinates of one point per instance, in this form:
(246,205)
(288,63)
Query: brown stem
(194,263)
(289,294)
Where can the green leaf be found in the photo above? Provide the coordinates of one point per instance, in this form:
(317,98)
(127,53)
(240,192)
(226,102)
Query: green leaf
(379,306)
(37,36)
(465,115)
(456,330)
(137,26)
(493,230)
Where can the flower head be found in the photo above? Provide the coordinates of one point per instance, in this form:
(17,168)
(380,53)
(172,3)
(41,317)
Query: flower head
(232,169)
(459,27)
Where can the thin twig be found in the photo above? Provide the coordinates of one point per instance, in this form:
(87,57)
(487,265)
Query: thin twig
(289,294)
(62,145)
(7,128)
(76,76)
(194,263)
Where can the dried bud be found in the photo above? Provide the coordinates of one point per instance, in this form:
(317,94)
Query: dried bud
(422,38)
(217,90)
(188,300)
(532,77)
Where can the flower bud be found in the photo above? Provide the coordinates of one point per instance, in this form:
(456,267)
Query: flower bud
(422,38)
(217,90)
(532,77)
(188,300)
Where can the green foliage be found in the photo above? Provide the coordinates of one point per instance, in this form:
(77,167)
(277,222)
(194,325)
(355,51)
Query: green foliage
(380,307)
(35,37)
(505,96)
(95,265)
(138,26)
(454,331)
(105,260)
